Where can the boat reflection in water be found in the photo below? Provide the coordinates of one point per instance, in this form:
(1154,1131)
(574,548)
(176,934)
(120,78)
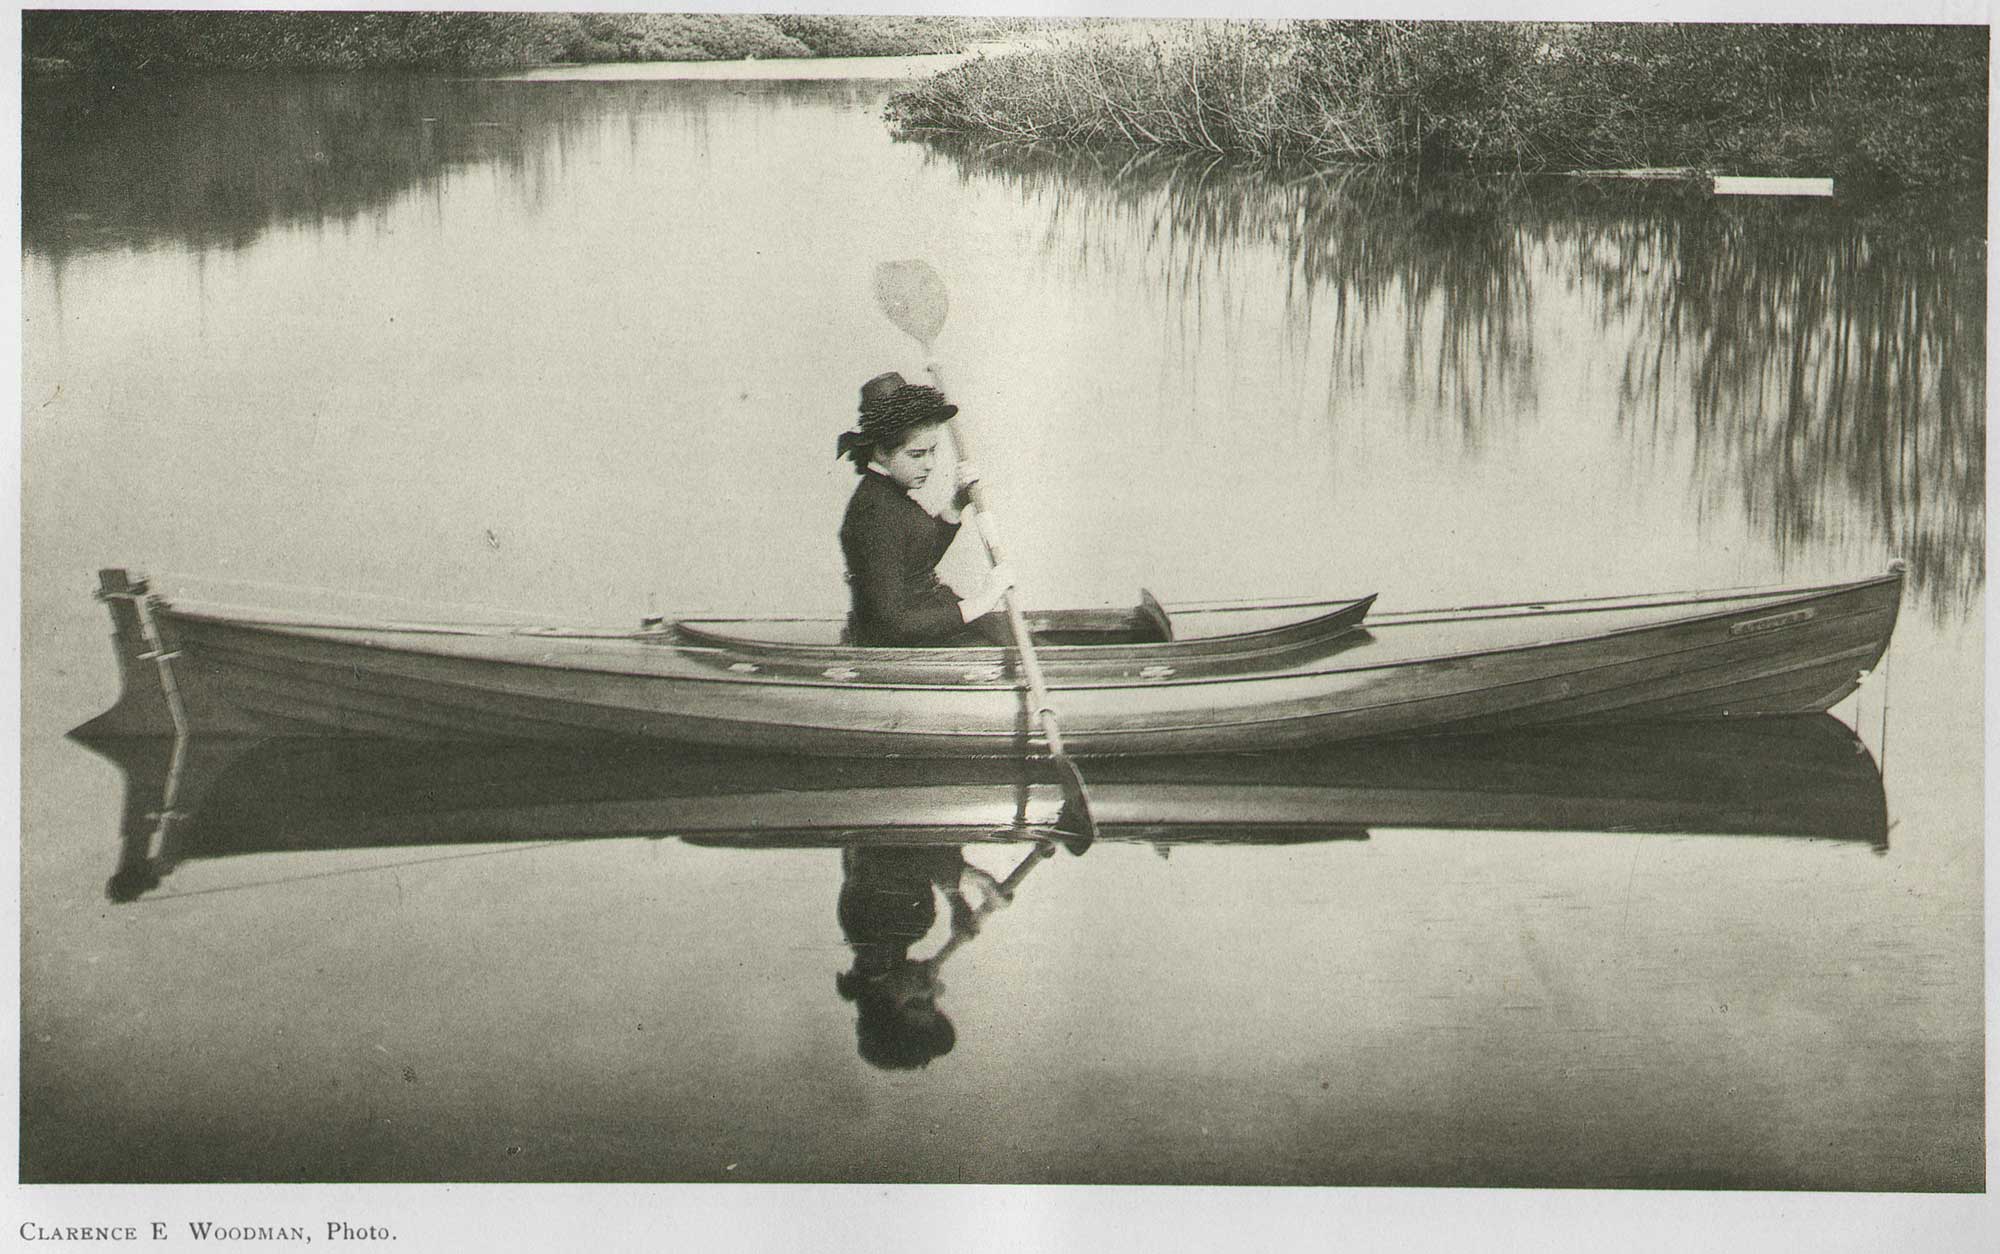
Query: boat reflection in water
(207,798)
(903,826)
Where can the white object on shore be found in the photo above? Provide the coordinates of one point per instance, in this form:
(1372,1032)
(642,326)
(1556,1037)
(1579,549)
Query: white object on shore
(1737,185)
(1675,173)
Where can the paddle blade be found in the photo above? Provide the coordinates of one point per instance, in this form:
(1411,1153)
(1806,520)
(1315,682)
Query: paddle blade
(913,297)
(1075,825)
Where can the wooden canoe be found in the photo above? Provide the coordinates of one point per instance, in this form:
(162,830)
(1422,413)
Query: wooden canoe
(1165,680)
(209,799)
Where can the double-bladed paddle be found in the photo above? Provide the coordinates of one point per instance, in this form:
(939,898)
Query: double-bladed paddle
(913,296)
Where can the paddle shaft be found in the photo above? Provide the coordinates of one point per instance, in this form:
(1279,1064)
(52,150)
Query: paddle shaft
(1031,665)
(913,297)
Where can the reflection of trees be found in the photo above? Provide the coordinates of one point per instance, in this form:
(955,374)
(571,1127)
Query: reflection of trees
(214,161)
(1829,370)
(1824,365)
(1358,247)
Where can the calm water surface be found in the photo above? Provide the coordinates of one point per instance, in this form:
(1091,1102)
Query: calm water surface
(579,350)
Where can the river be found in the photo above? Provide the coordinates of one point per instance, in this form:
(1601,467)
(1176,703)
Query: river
(576,347)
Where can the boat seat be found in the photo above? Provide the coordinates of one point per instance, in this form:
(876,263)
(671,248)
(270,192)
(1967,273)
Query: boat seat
(1155,616)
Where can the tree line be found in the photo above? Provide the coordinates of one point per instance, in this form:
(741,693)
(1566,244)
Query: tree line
(104,42)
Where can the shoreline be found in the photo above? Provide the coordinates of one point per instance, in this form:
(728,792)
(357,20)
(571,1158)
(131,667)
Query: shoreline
(754,69)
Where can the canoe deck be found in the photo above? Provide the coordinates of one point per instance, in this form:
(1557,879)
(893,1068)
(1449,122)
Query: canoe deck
(1075,647)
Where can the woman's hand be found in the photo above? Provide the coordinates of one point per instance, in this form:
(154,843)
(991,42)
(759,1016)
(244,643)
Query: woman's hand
(990,594)
(962,497)
(991,895)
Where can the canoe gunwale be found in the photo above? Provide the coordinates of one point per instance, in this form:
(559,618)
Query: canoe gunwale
(245,615)
(1536,608)
(1805,596)
(946,658)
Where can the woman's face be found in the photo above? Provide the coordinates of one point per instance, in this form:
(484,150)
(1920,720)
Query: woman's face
(911,464)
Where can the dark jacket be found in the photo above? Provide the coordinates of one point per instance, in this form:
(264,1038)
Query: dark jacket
(893,546)
(886,893)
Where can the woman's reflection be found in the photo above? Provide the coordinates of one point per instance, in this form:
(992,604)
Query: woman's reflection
(888,903)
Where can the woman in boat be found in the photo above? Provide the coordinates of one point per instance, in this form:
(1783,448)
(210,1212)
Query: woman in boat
(893,544)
